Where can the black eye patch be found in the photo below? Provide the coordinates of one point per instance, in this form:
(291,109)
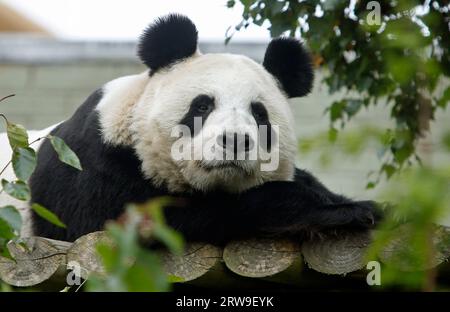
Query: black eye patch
(265,131)
(259,112)
(201,106)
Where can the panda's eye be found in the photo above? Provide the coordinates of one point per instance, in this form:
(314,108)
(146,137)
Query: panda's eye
(202,108)
(202,104)
(259,112)
(259,115)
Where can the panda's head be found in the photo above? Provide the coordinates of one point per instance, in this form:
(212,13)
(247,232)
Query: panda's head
(208,121)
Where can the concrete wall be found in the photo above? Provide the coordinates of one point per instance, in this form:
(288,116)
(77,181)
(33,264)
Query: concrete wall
(52,78)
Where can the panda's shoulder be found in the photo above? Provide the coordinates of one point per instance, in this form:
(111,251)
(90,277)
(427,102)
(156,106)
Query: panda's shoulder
(305,177)
(103,101)
(122,89)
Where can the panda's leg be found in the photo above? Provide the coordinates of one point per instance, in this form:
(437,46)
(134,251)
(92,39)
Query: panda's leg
(272,209)
(307,181)
(293,207)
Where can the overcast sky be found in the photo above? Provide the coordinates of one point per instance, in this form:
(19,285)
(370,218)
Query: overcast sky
(125,19)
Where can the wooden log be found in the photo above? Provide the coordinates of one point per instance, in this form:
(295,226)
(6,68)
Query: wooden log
(197,259)
(82,257)
(260,258)
(220,277)
(396,252)
(36,260)
(336,255)
(279,261)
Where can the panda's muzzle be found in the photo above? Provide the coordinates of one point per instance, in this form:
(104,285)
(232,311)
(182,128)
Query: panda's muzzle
(237,165)
(235,142)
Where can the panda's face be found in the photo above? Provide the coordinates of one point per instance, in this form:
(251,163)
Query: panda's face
(203,122)
(214,121)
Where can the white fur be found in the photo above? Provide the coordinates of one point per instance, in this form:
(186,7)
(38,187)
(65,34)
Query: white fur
(119,96)
(9,175)
(142,111)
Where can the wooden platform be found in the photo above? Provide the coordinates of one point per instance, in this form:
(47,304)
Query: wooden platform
(240,263)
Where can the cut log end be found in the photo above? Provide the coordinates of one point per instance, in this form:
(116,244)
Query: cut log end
(196,260)
(35,260)
(337,255)
(82,257)
(396,252)
(260,258)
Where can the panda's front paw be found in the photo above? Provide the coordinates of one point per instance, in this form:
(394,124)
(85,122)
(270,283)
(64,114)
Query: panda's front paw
(365,214)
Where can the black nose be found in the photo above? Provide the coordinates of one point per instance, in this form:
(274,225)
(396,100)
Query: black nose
(235,141)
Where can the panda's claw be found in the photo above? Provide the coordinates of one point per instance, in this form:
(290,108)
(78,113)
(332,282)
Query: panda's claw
(366,214)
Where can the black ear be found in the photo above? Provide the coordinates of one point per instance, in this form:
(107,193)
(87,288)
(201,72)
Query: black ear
(170,38)
(291,64)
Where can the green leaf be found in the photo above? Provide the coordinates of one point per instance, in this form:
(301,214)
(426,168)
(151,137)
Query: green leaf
(24,162)
(174,279)
(332,134)
(12,216)
(388,169)
(353,106)
(402,153)
(445,99)
(17,189)
(336,110)
(330,5)
(47,215)
(231,3)
(6,230)
(147,274)
(275,6)
(65,154)
(4,252)
(17,135)
(171,238)
(108,255)
(4,288)
(277,30)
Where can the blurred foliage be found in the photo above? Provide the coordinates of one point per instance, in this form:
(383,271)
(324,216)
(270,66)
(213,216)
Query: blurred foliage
(23,161)
(352,143)
(422,199)
(130,266)
(418,199)
(392,52)
(401,62)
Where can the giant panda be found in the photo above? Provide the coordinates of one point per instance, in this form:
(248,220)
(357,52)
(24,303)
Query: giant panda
(123,136)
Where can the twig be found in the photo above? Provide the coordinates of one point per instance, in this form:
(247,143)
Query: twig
(4,117)
(9,162)
(4,168)
(2,99)
(5,97)
(37,140)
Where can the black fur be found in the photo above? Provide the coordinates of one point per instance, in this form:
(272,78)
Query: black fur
(84,200)
(170,39)
(290,63)
(111,177)
(261,116)
(201,106)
